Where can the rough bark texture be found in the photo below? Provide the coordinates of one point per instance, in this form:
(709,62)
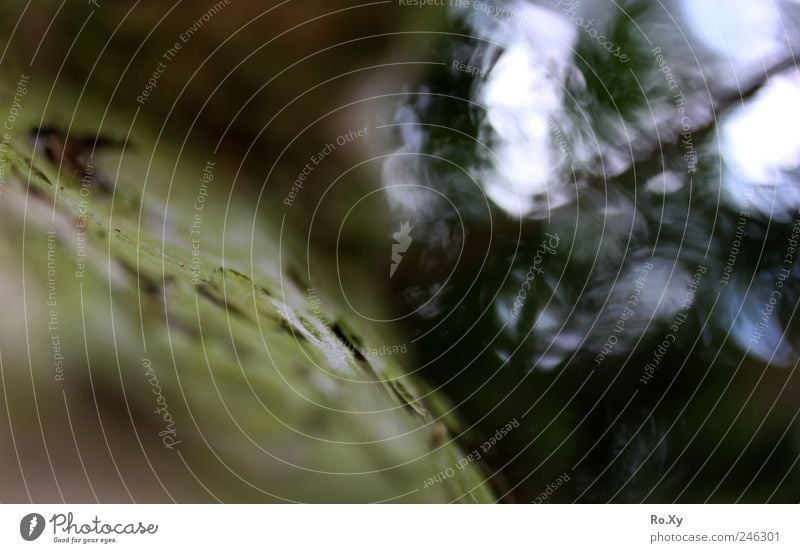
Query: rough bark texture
(168,369)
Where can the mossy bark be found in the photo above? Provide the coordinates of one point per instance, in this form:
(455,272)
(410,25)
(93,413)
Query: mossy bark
(153,348)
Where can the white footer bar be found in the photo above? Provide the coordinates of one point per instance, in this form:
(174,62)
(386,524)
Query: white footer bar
(400,528)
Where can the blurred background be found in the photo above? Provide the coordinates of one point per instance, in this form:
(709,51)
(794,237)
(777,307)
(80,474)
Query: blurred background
(400,251)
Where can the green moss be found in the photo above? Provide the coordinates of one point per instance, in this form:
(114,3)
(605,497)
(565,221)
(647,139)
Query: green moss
(269,402)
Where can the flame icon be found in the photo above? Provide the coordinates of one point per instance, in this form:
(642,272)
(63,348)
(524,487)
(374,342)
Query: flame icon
(31,526)
(403,242)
